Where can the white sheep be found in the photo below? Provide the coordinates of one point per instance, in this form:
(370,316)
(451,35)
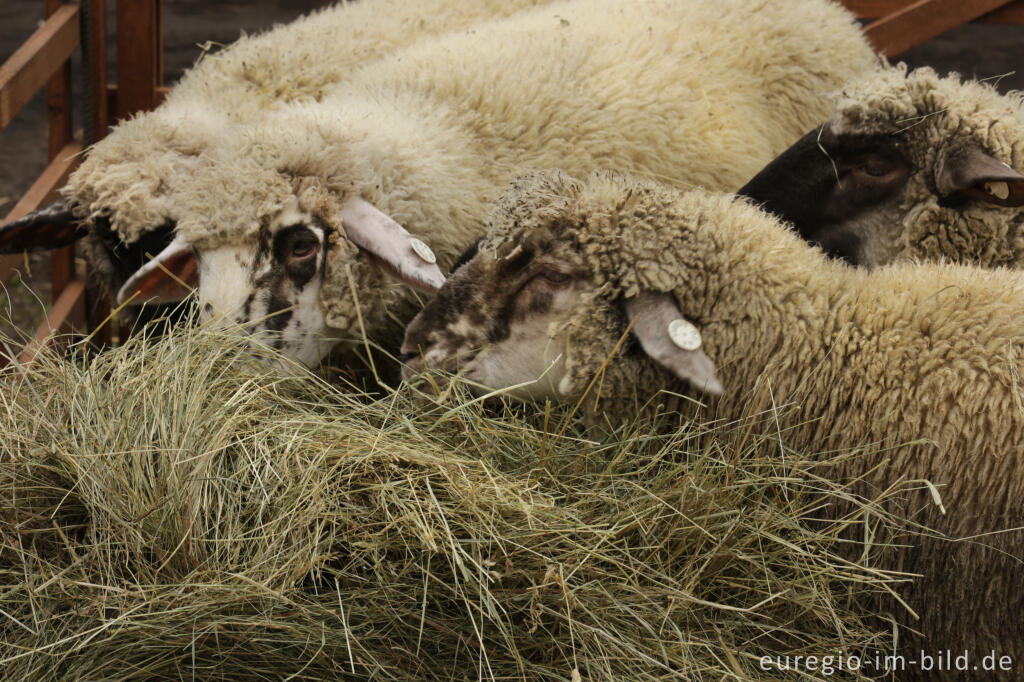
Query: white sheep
(909,166)
(224,91)
(922,364)
(430,134)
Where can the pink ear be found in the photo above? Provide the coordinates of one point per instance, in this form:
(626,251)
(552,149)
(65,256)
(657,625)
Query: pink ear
(391,246)
(972,172)
(168,278)
(654,315)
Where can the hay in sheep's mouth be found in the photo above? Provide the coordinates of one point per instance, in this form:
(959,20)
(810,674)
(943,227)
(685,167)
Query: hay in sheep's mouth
(173,509)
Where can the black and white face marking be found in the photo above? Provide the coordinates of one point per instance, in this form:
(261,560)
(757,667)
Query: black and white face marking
(840,192)
(500,322)
(272,289)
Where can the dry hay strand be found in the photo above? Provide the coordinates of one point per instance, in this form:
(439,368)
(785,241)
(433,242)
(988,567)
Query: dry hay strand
(175,509)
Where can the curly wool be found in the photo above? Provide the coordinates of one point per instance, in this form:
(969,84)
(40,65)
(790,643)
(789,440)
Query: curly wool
(131,174)
(922,363)
(431,133)
(935,116)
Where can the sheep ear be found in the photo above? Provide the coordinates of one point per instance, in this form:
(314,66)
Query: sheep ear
(49,227)
(972,173)
(390,245)
(169,277)
(669,339)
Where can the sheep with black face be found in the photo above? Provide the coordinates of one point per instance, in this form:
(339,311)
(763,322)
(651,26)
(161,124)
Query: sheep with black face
(614,289)
(910,166)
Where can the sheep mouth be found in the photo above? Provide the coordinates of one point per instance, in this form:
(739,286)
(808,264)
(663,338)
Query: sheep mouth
(416,362)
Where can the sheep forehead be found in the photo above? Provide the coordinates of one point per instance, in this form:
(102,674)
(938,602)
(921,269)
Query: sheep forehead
(924,104)
(292,214)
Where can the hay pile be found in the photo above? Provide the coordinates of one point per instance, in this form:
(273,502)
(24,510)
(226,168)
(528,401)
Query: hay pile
(173,509)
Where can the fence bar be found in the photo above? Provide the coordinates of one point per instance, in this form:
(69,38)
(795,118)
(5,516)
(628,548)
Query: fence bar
(58,116)
(1007,14)
(923,20)
(32,64)
(1012,12)
(139,56)
(59,319)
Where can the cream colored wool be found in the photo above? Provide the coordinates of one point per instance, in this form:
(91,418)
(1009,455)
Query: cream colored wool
(135,168)
(930,355)
(934,116)
(431,133)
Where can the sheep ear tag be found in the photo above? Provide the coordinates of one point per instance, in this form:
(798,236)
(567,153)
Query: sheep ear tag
(390,245)
(49,227)
(169,277)
(975,174)
(671,340)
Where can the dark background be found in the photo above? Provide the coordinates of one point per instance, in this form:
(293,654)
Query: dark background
(977,50)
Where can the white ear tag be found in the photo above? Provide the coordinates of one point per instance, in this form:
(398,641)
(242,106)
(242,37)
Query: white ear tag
(999,190)
(422,250)
(684,334)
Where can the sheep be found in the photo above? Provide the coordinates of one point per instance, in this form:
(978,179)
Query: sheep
(430,134)
(623,288)
(909,166)
(235,87)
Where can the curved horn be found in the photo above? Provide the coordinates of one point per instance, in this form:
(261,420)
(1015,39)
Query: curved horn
(49,227)
(394,249)
(169,277)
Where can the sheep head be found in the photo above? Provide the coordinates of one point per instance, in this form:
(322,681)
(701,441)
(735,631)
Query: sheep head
(279,283)
(909,166)
(549,300)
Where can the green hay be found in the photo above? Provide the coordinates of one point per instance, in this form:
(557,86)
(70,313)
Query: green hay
(174,509)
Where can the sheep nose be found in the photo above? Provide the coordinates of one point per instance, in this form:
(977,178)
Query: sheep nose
(412,363)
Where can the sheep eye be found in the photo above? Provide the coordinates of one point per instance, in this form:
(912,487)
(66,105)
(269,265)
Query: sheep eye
(878,167)
(304,247)
(555,277)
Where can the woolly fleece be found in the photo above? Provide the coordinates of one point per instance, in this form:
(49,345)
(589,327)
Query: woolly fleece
(432,133)
(921,364)
(933,116)
(134,169)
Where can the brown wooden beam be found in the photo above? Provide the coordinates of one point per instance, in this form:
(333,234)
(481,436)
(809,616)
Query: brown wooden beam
(923,20)
(96,28)
(58,117)
(8,266)
(32,64)
(139,48)
(1012,13)
(66,315)
(1007,14)
(112,90)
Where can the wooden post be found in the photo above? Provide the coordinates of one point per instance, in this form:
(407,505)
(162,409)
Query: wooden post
(94,46)
(139,55)
(139,71)
(95,41)
(58,115)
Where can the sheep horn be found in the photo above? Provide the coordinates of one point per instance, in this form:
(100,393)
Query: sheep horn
(392,247)
(49,227)
(168,277)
